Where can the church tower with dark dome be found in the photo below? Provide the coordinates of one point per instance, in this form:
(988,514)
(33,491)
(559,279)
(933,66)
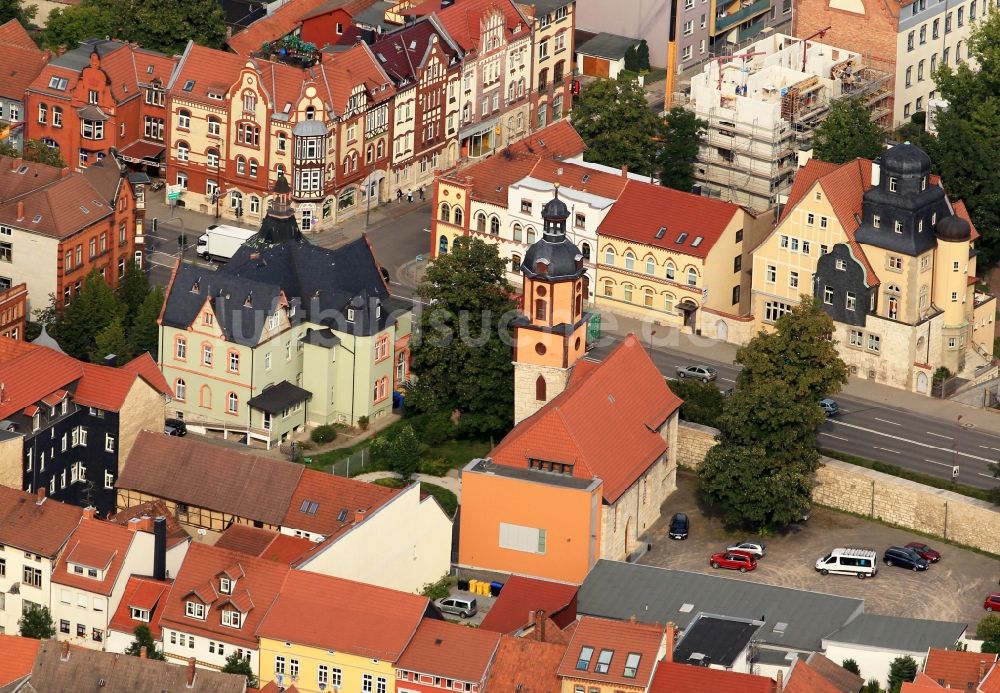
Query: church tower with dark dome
(551,335)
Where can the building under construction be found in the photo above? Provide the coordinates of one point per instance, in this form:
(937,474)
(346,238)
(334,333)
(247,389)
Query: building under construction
(762,105)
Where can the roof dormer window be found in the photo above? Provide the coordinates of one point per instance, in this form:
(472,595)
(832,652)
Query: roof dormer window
(139,614)
(350,315)
(225,585)
(892,184)
(604,661)
(194,610)
(231,618)
(632,664)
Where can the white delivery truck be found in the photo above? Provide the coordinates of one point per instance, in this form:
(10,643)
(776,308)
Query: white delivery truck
(220,242)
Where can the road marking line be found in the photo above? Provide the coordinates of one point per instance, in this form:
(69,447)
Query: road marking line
(888,450)
(830,435)
(988,476)
(845,411)
(907,440)
(943,464)
(886,421)
(727,380)
(938,435)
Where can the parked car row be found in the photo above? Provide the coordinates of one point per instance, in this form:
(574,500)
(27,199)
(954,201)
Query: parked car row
(863,563)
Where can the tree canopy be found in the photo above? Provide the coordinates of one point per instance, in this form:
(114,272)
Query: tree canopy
(164,26)
(702,401)
(967,151)
(398,450)
(144,638)
(235,664)
(463,356)
(36,623)
(761,471)
(616,123)
(901,670)
(682,137)
(16,9)
(847,133)
(34,150)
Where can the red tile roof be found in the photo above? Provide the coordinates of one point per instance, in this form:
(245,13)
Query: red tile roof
(40,527)
(804,679)
(284,21)
(141,593)
(963,670)
(583,178)
(604,423)
(357,65)
(522,596)
(672,677)
(264,543)
(450,651)
(94,544)
(18,653)
(991,684)
(558,141)
(921,684)
(153,509)
(843,680)
(343,615)
(24,60)
(526,666)
(622,638)
(844,186)
(198,579)
(462,20)
(145,367)
(962,212)
(333,495)
(644,208)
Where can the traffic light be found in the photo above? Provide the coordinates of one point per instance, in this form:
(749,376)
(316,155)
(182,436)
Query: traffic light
(154,226)
(575,87)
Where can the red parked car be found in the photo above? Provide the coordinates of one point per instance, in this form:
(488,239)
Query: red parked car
(924,551)
(992,602)
(733,561)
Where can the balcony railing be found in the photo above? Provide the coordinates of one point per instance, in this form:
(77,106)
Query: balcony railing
(741,15)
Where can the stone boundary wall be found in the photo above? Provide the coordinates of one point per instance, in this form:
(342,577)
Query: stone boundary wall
(884,497)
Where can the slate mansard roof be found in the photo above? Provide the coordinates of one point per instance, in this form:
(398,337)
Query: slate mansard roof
(321,283)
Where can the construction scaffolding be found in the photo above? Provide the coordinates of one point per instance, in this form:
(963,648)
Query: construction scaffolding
(762,107)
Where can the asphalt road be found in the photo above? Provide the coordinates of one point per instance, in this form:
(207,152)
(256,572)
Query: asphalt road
(904,438)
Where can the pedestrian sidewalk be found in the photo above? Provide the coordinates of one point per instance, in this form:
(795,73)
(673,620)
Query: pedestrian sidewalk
(660,336)
(195,222)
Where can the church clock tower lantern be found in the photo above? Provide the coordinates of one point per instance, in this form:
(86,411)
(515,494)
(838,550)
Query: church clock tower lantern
(551,335)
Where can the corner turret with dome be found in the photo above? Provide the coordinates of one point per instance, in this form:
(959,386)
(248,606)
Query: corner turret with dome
(551,336)
(279,224)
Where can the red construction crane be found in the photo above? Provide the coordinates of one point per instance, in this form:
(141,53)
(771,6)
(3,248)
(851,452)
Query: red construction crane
(805,43)
(742,56)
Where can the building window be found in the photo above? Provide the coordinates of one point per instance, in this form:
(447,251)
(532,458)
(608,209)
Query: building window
(828,295)
(540,389)
(43,112)
(852,301)
(793,280)
(194,610)
(856,338)
(231,618)
(629,260)
(206,355)
(180,349)
(772,274)
(876,221)
(692,276)
(874,343)
(898,226)
(234,362)
(232,403)
(57,114)
(773,310)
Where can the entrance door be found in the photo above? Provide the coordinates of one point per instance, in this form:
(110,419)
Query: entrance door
(722,330)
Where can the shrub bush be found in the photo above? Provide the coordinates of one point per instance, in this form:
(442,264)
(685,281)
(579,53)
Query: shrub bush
(438,428)
(436,467)
(323,434)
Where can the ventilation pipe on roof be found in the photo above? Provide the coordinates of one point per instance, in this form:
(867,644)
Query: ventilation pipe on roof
(160,548)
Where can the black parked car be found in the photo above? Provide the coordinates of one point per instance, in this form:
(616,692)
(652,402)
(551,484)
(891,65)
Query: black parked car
(678,526)
(905,558)
(174,427)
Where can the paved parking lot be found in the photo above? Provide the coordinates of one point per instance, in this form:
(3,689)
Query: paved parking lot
(951,590)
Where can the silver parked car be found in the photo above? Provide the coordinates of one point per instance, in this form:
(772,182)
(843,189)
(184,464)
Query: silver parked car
(703,373)
(463,606)
(751,547)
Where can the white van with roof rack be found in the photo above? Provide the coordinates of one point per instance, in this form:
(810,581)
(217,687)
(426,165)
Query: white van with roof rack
(860,562)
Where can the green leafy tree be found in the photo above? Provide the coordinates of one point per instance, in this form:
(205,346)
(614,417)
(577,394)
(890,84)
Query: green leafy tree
(463,358)
(617,125)
(901,670)
(16,9)
(682,137)
(847,133)
(702,401)
(143,638)
(132,289)
(37,623)
(851,666)
(36,151)
(164,26)
(398,451)
(631,59)
(761,471)
(988,630)
(67,26)
(235,664)
(91,310)
(872,686)
(111,340)
(145,334)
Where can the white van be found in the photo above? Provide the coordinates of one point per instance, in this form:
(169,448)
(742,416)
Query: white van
(860,562)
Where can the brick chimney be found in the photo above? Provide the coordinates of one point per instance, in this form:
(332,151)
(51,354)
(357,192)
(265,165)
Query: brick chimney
(89,513)
(190,673)
(671,637)
(779,681)
(624,171)
(66,170)
(64,655)
(41,495)
(20,210)
(142,652)
(540,625)
(983,665)
(359,515)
